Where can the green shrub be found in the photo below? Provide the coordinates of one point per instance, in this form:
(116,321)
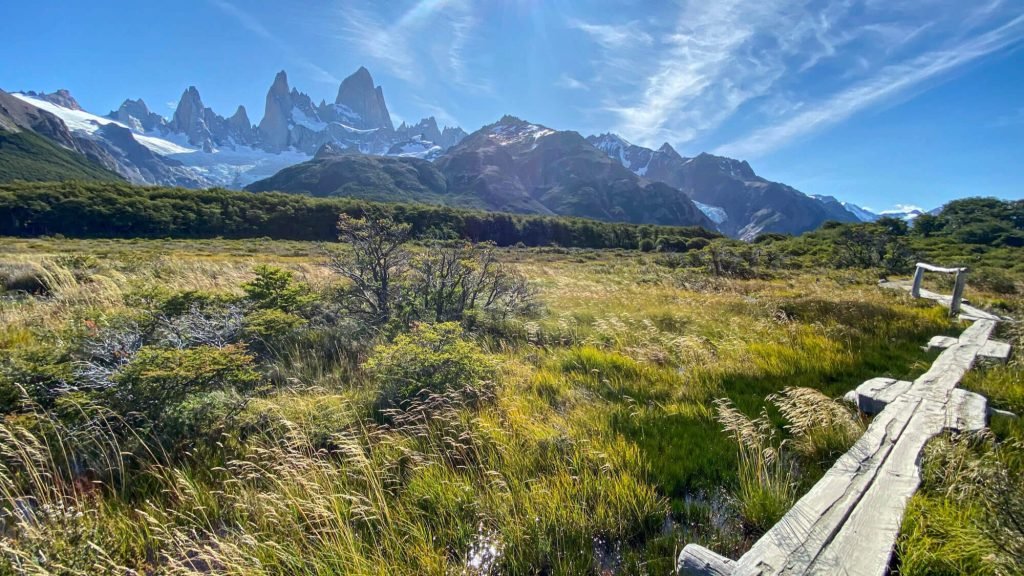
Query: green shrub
(275,288)
(203,419)
(157,379)
(432,359)
(41,370)
(181,302)
(993,280)
(270,324)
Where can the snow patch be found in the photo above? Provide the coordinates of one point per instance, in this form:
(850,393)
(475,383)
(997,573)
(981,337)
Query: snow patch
(714,213)
(238,167)
(80,121)
(506,134)
(300,118)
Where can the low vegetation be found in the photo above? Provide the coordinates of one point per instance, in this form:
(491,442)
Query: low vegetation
(411,403)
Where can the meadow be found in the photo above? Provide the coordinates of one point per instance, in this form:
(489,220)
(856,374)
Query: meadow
(215,406)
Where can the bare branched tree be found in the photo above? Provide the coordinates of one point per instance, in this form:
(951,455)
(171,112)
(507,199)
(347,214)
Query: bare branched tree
(105,353)
(202,328)
(375,263)
(450,280)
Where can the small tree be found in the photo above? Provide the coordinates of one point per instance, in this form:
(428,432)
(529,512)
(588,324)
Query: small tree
(274,288)
(449,281)
(376,261)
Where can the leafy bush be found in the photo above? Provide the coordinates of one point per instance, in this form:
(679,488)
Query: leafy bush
(993,280)
(434,359)
(203,419)
(270,325)
(157,379)
(181,302)
(275,288)
(41,370)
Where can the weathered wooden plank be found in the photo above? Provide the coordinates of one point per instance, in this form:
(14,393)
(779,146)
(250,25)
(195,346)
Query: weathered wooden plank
(791,545)
(932,268)
(941,342)
(856,509)
(995,351)
(966,411)
(874,395)
(863,546)
(699,561)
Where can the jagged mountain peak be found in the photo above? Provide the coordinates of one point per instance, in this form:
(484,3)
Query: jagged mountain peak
(513,130)
(280,81)
(735,168)
(358,94)
(61,97)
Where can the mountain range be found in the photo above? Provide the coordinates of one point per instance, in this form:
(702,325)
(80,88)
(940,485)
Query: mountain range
(350,147)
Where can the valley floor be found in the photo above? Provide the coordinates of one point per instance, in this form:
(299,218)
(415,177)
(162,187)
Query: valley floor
(594,443)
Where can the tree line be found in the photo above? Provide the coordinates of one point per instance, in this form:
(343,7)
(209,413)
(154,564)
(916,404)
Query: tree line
(121,210)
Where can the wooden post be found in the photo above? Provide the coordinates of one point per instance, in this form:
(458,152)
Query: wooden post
(699,561)
(958,292)
(918,277)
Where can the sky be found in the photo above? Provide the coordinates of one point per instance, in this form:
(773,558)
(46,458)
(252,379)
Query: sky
(877,102)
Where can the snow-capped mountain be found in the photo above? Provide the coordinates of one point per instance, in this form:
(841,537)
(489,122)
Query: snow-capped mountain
(197,147)
(515,165)
(727,191)
(907,213)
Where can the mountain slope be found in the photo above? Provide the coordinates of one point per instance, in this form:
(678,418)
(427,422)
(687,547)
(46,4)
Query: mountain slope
(378,178)
(28,156)
(741,202)
(517,166)
(37,146)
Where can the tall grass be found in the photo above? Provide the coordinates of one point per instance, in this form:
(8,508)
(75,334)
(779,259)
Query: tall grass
(599,451)
(766,487)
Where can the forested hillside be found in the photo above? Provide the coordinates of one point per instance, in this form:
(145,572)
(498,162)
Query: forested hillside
(89,209)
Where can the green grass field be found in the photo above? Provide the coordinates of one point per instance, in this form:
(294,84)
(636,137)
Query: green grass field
(592,447)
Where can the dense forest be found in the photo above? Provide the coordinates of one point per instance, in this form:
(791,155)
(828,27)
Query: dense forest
(120,210)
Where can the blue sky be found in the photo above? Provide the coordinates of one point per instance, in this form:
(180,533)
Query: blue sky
(880,102)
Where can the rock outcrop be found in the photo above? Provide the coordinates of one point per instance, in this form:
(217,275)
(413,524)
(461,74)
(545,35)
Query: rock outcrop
(366,101)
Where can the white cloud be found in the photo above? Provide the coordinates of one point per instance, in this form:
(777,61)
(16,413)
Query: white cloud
(901,209)
(438,29)
(570,83)
(782,67)
(890,82)
(614,36)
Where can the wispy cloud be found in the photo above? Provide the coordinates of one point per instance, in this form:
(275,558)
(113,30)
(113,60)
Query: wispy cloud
(252,24)
(889,83)
(430,33)
(614,36)
(568,82)
(781,68)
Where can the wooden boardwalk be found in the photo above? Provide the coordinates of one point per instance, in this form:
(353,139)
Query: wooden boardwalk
(847,524)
